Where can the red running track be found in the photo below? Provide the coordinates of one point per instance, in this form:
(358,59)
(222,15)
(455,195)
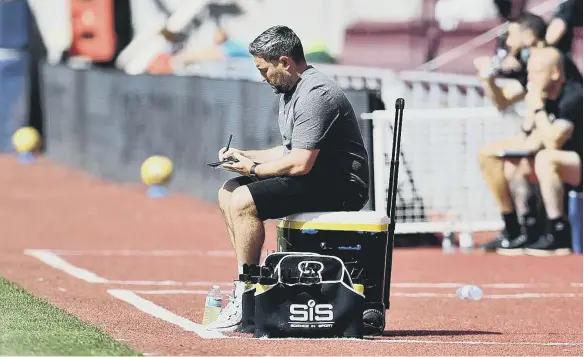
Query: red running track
(92,239)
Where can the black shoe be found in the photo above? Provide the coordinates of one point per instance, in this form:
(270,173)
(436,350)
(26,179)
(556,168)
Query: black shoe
(557,242)
(516,246)
(501,241)
(530,233)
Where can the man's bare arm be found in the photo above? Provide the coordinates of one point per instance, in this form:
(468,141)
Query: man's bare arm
(503,97)
(556,29)
(267,155)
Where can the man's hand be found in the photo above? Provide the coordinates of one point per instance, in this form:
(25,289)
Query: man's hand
(242,167)
(535,98)
(229,153)
(510,64)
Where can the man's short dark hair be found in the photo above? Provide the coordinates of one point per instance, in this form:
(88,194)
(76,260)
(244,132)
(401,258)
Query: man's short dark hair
(275,42)
(533,22)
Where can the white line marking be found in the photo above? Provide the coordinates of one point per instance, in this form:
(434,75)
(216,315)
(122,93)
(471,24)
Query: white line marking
(155,310)
(438,342)
(152,309)
(167,283)
(492,296)
(52,258)
(393,294)
(147,253)
(393,285)
(176,292)
(59,263)
(457,285)
(550,344)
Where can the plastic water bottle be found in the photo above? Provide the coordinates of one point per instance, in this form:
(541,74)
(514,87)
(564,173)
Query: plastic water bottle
(469,292)
(212,305)
(465,241)
(448,243)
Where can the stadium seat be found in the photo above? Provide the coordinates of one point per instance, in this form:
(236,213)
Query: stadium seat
(465,32)
(397,46)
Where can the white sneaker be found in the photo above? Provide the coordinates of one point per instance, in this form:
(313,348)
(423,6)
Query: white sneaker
(230,317)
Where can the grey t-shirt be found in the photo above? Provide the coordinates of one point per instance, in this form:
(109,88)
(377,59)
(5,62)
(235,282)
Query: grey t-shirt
(318,115)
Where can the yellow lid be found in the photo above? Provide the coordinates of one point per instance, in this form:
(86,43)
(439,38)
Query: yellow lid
(261,288)
(359,288)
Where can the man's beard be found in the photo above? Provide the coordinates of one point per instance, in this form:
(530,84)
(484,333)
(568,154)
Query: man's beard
(278,89)
(282,87)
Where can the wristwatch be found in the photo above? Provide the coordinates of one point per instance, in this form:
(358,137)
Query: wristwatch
(252,172)
(539,110)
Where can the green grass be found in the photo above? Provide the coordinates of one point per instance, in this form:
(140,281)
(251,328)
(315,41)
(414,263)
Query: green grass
(31,326)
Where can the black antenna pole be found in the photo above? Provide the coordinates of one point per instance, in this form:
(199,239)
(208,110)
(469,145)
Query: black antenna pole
(394,168)
(392,194)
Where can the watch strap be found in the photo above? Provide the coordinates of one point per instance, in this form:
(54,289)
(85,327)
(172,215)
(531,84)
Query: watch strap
(252,172)
(539,110)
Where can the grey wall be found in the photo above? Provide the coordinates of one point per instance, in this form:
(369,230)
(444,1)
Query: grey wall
(108,123)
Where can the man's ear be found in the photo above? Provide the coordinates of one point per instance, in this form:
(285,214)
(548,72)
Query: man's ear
(285,61)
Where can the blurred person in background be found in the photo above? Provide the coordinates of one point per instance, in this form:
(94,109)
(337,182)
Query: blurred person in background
(509,9)
(223,48)
(524,33)
(554,107)
(560,32)
(504,177)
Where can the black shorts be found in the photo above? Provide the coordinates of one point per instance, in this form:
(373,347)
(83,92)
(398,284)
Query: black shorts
(278,197)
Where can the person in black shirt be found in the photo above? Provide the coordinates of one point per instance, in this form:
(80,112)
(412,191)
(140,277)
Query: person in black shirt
(555,111)
(526,32)
(560,32)
(524,35)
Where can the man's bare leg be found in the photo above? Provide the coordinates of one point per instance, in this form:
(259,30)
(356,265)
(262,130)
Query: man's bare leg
(519,186)
(248,228)
(246,232)
(224,198)
(554,168)
(518,174)
(493,171)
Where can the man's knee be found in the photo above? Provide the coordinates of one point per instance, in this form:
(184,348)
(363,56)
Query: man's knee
(486,154)
(225,193)
(566,164)
(242,202)
(484,157)
(545,162)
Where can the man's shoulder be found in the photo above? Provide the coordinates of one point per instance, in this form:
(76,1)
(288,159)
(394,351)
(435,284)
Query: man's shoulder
(572,93)
(571,101)
(316,83)
(312,79)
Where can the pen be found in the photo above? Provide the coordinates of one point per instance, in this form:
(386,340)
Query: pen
(229,142)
